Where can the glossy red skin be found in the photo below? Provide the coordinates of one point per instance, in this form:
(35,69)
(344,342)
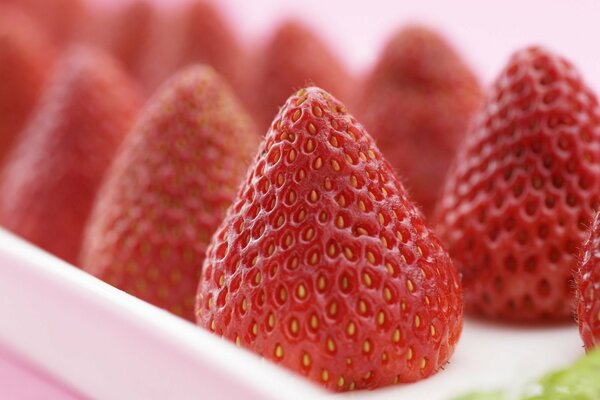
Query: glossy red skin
(168,190)
(297,262)
(588,287)
(52,175)
(523,190)
(293,58)
(26,58)
(196,34)
(418,102)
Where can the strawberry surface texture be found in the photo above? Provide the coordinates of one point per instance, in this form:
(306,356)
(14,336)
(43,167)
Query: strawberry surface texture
(168,190)
(323,264)
(523,190)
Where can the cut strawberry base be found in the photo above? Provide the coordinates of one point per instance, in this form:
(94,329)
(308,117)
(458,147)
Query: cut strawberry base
(322,263)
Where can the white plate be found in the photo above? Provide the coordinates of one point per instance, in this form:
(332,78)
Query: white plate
(103,344)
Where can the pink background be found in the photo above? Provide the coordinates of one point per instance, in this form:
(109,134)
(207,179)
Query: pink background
(485,32)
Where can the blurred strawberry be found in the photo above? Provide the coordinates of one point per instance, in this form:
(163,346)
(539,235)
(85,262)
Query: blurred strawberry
(61,20)
(168,190)
(196,34)
(418,101)
(125,32)
(293,58)
(26,57)
(588,287)
(324,265)
(51,176)
(523,189)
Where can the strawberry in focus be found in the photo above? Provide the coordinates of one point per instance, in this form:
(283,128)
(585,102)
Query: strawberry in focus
(324,265)
(418,102)
(167,192)
(587,281)
(293,58)
(523,190)
(26,57)
(52,174)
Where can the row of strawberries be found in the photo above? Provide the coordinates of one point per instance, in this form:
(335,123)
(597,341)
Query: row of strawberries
(410,80)
(305,246)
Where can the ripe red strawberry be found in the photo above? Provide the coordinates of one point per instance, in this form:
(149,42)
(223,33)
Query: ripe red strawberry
(323,264)
(126,32)
(293,58)
(52,174)
(25,59)
(168,191)
(588,287)
(418,102)
(61,20)
(198,33)
(523,189)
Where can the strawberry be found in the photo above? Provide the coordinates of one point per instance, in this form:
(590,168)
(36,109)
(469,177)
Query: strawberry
(61,20)
(324,265)
(294,57)
(523,189)
(588,287)
(125,33)
(168,191)
(198,33)
(25,58)
(51,176)
(418,101)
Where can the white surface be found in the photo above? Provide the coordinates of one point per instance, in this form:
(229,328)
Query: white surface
(490,357)
(106,344)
